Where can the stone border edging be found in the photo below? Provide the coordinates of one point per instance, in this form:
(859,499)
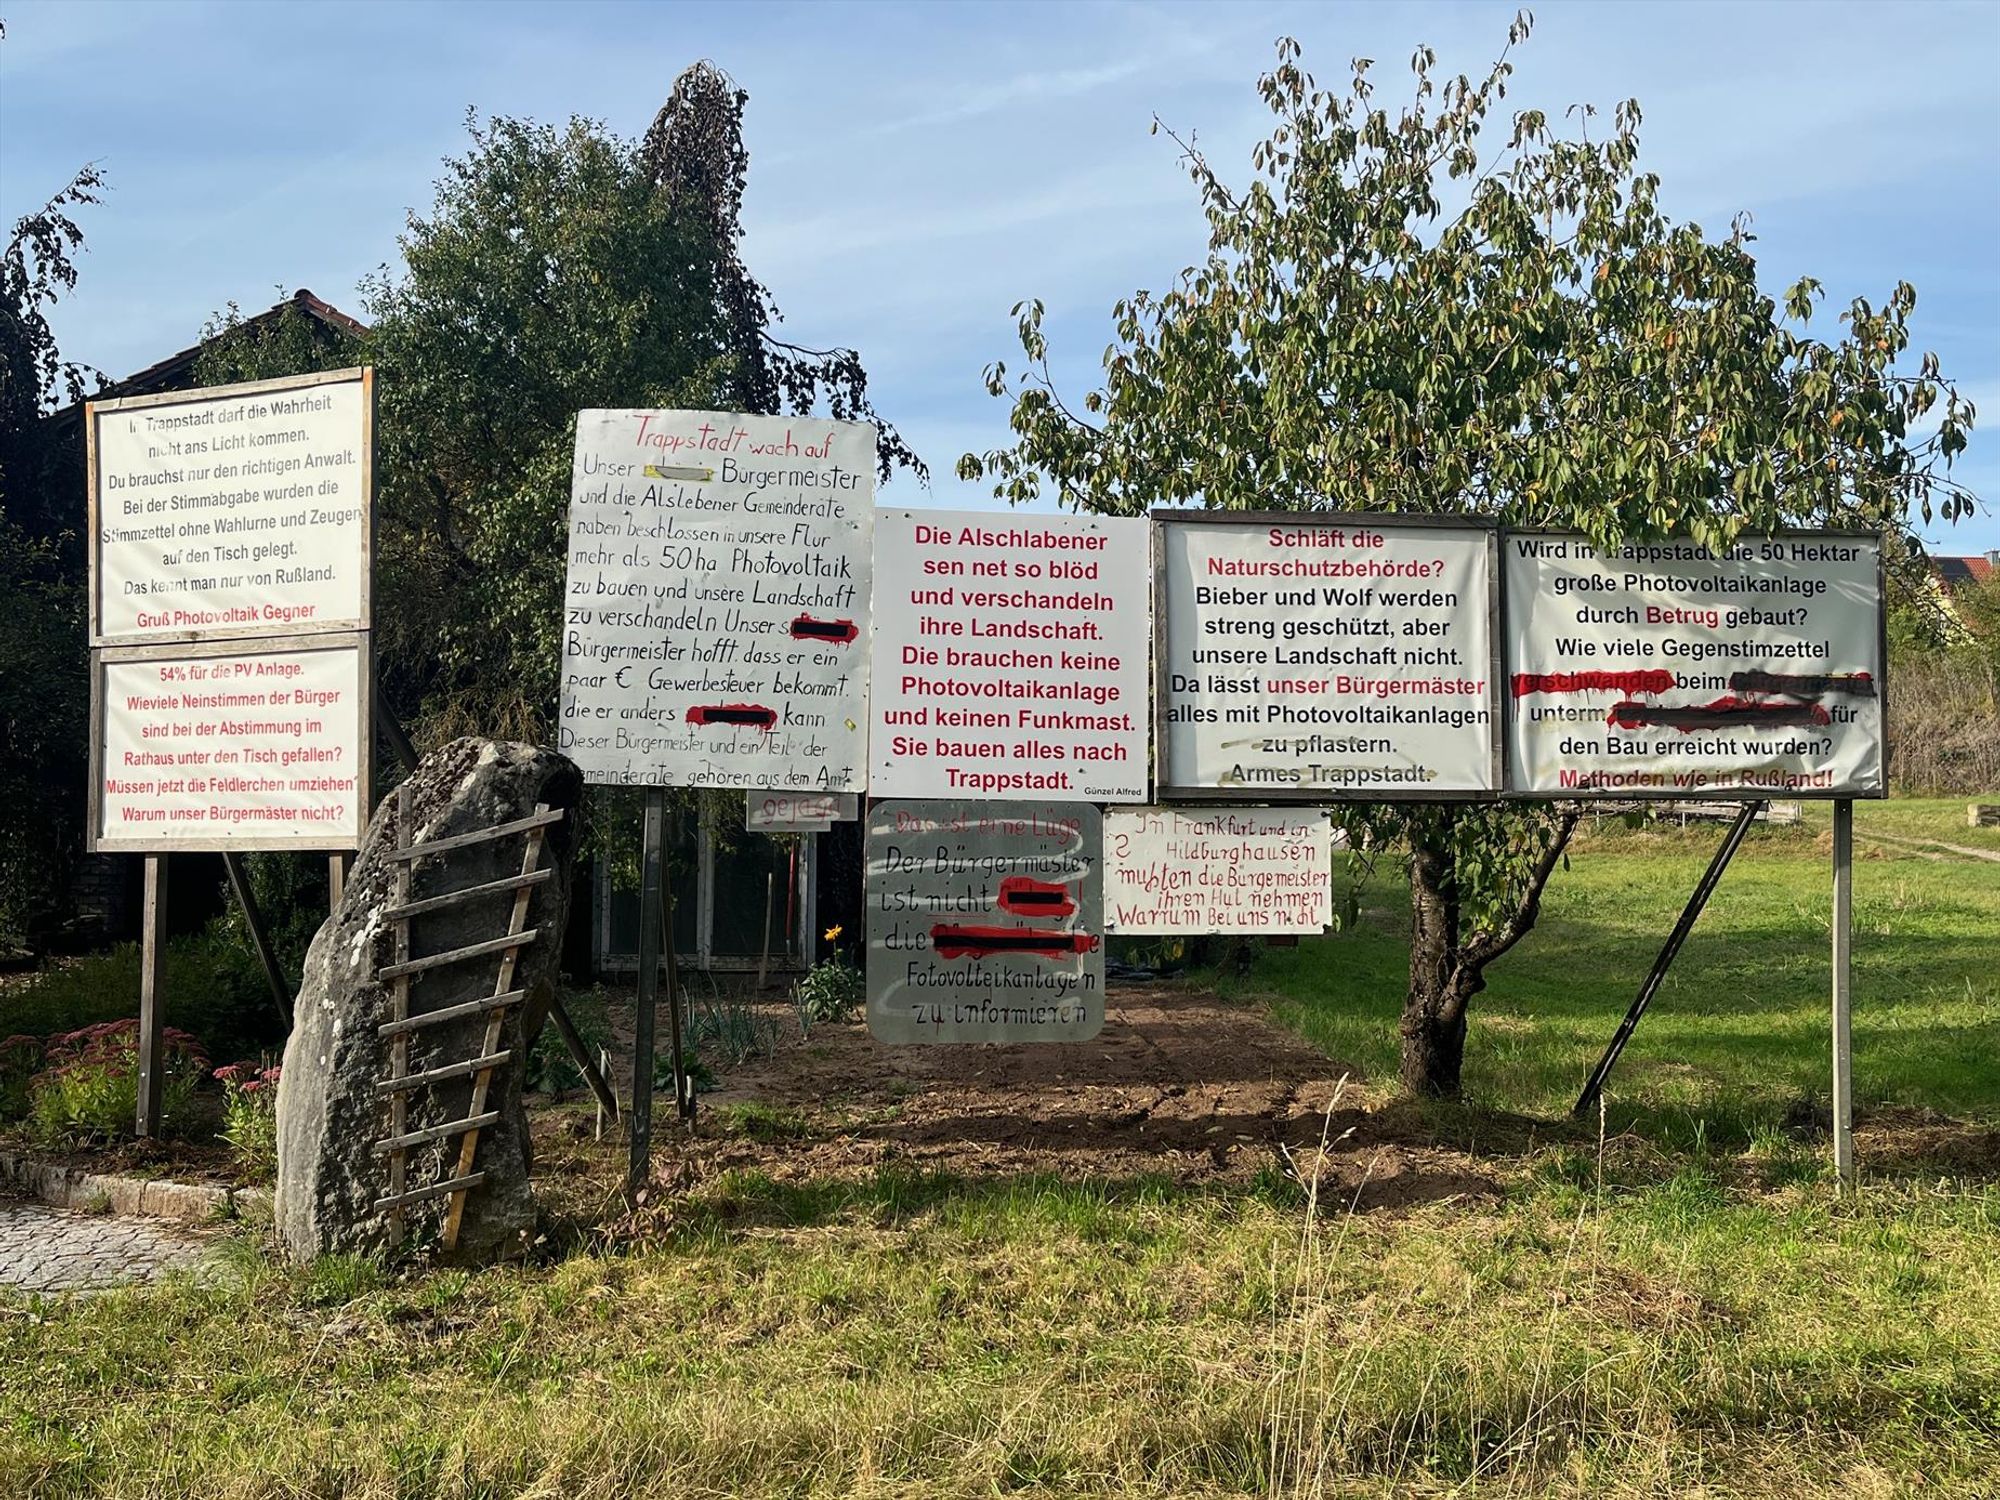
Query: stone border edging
(72,1187)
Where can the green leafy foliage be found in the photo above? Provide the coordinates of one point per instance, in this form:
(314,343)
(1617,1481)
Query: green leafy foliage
(88,1088)
(20,1061)
(250,1115)
(44,693)
(829,992)
(1441,309)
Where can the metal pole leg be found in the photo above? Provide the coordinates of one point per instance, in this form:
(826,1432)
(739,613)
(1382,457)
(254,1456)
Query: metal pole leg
(641,1168)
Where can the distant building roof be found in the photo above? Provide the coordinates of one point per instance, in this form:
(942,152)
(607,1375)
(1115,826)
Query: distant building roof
(176,371)
(173,372)
(1956,572)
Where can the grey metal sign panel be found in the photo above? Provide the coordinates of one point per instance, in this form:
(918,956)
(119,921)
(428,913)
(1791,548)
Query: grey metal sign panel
(985,921)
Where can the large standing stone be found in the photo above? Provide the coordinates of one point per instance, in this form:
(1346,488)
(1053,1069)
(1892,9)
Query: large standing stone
(330,1112)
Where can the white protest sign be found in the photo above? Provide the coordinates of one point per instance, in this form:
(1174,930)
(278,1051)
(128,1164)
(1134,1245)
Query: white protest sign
(1664,670)
(985,921)
(797,812)
(716,611)
(256,746)
(236,511)
(1314,655)
(1217,869)
(1011,656)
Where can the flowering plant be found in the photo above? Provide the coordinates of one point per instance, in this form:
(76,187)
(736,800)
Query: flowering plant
(250,1114)
(89,1086)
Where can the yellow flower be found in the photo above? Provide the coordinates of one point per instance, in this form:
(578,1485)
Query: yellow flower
(833,933)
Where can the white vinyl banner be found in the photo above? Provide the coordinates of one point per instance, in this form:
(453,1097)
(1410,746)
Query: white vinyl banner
(1312,656)
(235,511)
(716,612)
(1665,670)
(1217,869)
(262,748)
(1011,656)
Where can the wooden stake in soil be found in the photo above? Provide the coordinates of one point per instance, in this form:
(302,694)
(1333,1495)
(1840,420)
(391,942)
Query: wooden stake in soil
(152,1023)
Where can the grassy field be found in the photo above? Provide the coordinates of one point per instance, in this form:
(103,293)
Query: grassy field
(1682,1307)
(1738,1038)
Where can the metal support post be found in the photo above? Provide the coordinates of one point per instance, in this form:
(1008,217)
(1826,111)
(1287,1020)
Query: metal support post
(640,1171)
(239,882)
(1587,1100)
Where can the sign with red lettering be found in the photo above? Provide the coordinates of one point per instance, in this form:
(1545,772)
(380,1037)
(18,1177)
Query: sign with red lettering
(231,512)
(1316,655)
(716,609)
(1218,869)
(798,812)
(1664,670)
(232,746)
(1010,656)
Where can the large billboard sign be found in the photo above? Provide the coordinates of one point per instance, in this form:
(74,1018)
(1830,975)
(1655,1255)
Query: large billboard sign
(231,745)
(1302,657)
(716,610)
(985,921)
(232,512)
(1011,656)
(1665,670)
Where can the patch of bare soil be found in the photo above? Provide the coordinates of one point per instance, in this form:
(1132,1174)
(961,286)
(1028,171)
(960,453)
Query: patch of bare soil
(1180,1085)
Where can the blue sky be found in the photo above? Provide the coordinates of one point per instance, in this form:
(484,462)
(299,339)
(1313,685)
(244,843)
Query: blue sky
(918,169)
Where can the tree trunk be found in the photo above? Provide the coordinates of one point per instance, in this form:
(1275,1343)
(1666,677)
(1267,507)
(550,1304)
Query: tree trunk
(1447,966)
(1433,1027)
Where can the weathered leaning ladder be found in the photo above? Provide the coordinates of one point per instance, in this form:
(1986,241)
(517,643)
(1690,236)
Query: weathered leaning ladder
(402,1025)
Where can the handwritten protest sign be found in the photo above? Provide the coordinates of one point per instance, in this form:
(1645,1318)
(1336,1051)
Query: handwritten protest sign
(1217,869)
(985,921)
(716,610)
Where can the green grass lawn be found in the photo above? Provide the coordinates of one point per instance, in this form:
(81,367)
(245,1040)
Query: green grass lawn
(1738,1036)
(1685,1307)
(906,1337)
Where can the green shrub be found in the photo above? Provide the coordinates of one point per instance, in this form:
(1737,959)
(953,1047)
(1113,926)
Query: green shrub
(89,1089)
(20,1061)
(831,991)
(213,989)
(250,1115)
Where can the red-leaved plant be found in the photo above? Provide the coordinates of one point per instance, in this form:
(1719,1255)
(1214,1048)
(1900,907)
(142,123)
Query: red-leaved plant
(88,1088)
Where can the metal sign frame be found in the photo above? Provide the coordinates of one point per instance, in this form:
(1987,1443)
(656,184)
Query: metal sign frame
(1165,790)
(1501,706)
(1510,792)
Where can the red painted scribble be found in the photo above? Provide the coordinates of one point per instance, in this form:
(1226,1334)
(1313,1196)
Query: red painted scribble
(753,714)
(1850,684)
(1022,897)
(1723,713)
(806,628)
(955,940)
(1645,682)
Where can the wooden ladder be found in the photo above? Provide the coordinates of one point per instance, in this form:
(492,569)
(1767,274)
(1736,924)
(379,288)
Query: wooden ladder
(402,1025)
